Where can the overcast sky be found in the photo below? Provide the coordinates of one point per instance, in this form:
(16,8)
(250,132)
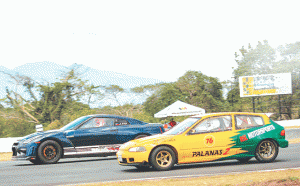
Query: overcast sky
(160,39)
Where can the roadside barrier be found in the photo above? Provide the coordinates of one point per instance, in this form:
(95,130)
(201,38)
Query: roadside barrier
(6,144)
(289,123)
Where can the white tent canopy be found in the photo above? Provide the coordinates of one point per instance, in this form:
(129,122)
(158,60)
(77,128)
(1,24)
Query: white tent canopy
(179,108)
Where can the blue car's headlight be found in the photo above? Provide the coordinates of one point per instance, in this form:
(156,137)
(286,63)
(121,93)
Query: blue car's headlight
(137,149)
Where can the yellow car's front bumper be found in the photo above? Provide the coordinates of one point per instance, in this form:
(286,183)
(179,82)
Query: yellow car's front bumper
(132,158)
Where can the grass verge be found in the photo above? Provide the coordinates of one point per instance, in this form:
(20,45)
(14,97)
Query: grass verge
(5,156)
(283,177)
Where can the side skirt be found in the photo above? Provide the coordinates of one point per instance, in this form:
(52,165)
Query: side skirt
(91,151)
(89,155)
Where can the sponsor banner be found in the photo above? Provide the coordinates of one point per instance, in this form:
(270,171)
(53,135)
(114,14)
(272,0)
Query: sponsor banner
(269,84)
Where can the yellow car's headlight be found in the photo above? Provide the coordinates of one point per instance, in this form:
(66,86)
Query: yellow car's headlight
(137,149)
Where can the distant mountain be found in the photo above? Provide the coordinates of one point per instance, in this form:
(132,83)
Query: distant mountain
(41,71)
(51,72)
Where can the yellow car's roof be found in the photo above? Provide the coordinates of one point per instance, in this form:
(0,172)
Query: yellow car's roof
(222,113)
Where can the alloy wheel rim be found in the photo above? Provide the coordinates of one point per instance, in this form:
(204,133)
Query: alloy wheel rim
(49,152)
(164,158)
(267,149)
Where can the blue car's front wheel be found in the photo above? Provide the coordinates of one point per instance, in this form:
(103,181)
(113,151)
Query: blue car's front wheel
(49,152)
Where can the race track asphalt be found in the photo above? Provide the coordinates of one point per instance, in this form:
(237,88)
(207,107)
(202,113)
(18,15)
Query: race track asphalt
(89,170)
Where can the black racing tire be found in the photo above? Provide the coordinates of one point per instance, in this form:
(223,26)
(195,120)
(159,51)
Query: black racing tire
(140,136)
(162,158)
(49,152)
(36,161)
(244,160)
(266,151)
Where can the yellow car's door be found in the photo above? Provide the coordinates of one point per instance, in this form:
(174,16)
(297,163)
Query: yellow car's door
(209,140)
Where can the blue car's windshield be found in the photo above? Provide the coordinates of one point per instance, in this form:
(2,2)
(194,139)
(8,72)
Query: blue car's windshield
(182,126)
(74,123)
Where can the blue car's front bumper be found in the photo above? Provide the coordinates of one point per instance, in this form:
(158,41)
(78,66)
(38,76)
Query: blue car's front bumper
(24,152)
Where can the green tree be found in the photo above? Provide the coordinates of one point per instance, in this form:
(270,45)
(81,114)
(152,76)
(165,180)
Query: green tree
(147,90)
(263,60)
(255,61)
(290,63)
(46,103)
(194,88)
(113,92)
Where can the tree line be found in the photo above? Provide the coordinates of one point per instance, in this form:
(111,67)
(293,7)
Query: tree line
(56,104)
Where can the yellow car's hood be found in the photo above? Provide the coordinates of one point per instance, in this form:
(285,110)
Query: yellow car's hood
(155,140)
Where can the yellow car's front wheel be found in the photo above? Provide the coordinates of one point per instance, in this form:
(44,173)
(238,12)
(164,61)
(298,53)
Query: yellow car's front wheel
(162,158)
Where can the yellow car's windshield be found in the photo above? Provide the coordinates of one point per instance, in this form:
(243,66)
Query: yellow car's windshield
(182,126)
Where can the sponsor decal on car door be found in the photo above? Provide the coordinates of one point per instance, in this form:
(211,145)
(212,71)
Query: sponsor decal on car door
(210,140)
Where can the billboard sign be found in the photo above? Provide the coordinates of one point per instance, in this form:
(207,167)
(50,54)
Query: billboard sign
(262,85)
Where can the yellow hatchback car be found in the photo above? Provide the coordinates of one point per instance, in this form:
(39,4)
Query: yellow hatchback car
(209,137)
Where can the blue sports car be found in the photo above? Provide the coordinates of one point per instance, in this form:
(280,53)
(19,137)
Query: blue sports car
(93,135)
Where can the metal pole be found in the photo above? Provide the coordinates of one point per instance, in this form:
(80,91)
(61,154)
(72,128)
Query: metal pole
(231,91)
(253,101)
(279,104)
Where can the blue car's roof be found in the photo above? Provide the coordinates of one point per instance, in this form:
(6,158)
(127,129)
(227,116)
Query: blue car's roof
(115,116)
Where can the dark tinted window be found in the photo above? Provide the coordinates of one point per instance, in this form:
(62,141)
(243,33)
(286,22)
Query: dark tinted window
(74,123)
(120,122)
(98,122)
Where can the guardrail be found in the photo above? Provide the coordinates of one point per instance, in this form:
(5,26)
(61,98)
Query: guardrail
(289,123)
(6,143)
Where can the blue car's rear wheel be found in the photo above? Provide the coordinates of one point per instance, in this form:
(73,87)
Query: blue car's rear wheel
(49,152)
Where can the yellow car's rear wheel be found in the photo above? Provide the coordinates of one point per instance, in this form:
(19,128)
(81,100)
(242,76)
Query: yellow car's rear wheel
(266,151)
(162,158)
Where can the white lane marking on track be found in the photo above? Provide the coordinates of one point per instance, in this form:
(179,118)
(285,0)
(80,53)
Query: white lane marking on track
(189,176)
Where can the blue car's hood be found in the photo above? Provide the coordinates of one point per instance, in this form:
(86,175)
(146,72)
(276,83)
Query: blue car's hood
(45,133)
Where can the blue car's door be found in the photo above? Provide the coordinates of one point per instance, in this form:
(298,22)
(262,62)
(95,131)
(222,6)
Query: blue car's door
(97,131)
(126,131)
